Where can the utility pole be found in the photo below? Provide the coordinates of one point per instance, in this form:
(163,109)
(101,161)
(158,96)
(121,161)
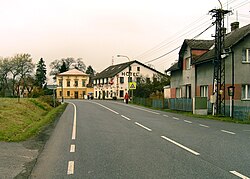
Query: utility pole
(219,62)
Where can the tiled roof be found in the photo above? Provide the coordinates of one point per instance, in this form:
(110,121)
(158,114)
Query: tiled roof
(199,44)
(193,44)
(231,39)
(174,67)
(111,71)
(72,72)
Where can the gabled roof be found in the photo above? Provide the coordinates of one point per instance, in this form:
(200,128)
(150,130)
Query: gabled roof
(113,70)
(194,45)
(174,67)
(73,72)
(231,39)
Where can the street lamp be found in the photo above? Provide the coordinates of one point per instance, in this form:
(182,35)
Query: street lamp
(128,69)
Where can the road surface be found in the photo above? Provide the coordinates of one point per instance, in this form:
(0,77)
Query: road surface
(108,139)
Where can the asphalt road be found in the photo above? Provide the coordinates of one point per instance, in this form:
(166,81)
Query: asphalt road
(107,139)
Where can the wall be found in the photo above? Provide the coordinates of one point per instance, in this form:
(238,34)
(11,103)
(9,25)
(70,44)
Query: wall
(115,88)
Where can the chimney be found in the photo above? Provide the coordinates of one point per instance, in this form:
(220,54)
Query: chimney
(234,26)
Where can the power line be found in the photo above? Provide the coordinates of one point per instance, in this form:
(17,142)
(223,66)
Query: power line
(179,46)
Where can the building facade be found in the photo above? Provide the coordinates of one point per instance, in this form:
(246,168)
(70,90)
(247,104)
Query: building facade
(200,74)
(72,84)
(113,82)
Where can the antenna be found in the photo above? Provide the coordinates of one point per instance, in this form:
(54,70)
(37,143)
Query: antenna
(112,60)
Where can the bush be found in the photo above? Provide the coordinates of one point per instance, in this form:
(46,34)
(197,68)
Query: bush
(49,100)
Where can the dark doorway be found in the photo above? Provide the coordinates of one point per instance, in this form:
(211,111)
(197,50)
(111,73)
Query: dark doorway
(76,94)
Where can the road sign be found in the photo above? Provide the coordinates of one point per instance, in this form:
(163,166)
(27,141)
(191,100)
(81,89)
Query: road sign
(132,85)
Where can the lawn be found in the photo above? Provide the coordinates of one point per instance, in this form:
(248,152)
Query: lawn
(24,119)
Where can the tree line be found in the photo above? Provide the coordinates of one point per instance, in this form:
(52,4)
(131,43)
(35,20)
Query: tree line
(19,75)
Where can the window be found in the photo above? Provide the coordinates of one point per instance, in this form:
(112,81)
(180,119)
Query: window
(107,94)
(60,83)
(178,92)
(76,83)
(129,79)
(246,56)
(188,63)
(121,79)
(245,92)
(68,83)
(138,69)
(121,93)
(83,83)
(188,91)
(68,93)
(204,91)
(60,93)
(147,80)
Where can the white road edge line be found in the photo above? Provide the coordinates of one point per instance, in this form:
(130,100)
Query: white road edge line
(188,121)
(143,126)
(74,123)
(202,125)
(165,115)
(239,175)
(176,118)
(70,168)
(180,145)
(106,108)
(72,148)
(228,132)
(126,117)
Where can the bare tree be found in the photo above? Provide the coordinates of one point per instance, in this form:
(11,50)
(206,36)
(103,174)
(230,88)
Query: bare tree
(22,68)
(69,63)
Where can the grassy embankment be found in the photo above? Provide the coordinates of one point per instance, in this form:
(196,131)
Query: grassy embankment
(22,120)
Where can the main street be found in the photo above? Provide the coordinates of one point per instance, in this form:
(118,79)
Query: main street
(108,139)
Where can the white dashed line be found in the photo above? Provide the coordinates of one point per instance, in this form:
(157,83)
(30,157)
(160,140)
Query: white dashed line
(188,121)
(228,132)
(180,145)
(203,125)
(239,175)
(144,127)
(126,117)
(176,118)
(165,115)
(106,108)
(72,148)
(70,168)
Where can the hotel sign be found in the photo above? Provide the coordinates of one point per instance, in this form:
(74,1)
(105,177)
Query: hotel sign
(131,74)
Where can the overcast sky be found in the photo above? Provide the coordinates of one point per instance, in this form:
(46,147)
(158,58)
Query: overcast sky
(96,30)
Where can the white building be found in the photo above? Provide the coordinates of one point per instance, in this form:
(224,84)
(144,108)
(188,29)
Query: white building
(113,81)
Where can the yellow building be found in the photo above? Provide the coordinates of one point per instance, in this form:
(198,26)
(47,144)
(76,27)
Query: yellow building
(72,84)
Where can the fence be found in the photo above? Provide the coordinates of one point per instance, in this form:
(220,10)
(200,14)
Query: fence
(183,104)
(180,104)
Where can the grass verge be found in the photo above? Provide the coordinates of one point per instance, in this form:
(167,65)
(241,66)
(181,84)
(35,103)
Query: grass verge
(20,121)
